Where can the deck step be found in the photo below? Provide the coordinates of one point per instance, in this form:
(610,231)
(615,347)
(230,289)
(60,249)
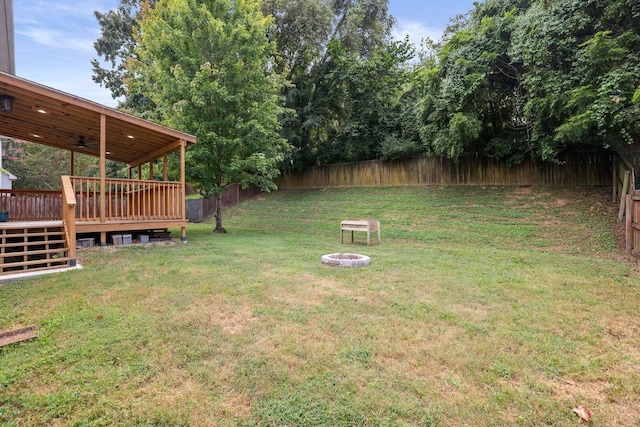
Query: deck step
(30,246)
(32,252)
(7,233)
(34,243)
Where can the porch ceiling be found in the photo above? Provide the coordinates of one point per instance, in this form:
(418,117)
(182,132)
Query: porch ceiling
(46,116)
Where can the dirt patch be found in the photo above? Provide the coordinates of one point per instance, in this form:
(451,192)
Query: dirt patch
(232,319)
(314,293)
(522,190)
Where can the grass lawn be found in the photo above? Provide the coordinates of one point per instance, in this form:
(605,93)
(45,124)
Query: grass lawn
(481,307)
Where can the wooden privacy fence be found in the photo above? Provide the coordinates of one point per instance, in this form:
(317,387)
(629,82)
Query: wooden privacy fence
(575,170)
(632,229)
(627,193)
(28,205)
(200,209)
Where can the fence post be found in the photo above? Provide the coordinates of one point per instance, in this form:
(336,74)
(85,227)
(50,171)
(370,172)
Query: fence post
(629,225)
(623,198)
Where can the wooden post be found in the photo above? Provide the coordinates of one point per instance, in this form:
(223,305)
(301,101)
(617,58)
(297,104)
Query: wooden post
(623,198)
(72,163)
(629,226)
(69,216)
(103,170)
(183,146)
(151,170)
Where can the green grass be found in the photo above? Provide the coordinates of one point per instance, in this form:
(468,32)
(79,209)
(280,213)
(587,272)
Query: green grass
(482,306)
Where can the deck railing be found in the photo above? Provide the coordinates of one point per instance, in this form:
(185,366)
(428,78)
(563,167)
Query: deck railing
(127,200)
(31,205)
(124,199)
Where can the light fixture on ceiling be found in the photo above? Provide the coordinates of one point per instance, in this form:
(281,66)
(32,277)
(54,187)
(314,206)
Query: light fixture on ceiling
(81,143)
(6,103)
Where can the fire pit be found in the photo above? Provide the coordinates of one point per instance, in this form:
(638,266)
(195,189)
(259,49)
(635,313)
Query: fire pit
(346,260)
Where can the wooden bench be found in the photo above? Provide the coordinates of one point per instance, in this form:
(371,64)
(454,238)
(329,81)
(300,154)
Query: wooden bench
(367,225)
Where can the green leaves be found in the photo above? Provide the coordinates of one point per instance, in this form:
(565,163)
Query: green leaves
(536,78)
(207,65)
(317,41)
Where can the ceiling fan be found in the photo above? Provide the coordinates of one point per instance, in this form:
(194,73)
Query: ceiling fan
(82,144)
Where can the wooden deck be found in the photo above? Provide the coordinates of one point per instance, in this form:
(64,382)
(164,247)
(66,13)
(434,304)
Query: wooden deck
(43,226)
(93,204)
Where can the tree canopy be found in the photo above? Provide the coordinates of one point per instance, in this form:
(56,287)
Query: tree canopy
(510,79)
(115,46)
(535,78)
(207,66)
(317,41)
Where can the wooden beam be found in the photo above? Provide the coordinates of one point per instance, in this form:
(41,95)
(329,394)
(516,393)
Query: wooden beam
(18,335)
(69,215)
(183,175)
(623,195)
(158,153)
(103,170)
(183,147)
(629,231)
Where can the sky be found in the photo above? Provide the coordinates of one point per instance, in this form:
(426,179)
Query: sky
(54,38)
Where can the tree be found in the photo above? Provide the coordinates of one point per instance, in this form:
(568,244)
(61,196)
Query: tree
(207,66)
(535,78)
(361,103)
(473,99)
(115,45)
(39,167)
(600,102)
(304,32)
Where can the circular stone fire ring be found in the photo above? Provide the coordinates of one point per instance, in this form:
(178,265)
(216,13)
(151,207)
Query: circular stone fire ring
(346,260)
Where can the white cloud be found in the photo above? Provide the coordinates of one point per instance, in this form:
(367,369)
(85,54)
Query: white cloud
(54,44)
(54,38)
(416,32)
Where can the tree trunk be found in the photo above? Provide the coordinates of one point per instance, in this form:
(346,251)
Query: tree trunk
(219,228)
